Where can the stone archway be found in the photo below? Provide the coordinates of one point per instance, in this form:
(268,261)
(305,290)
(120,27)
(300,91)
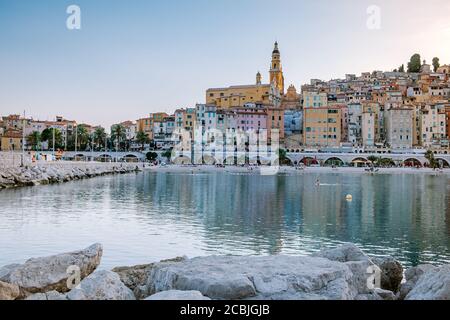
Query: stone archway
(104,158)
(443,162)
(79,157)
(309,161)
(359,162)
(412,162)
(334,161)
(182,160)
(131,158)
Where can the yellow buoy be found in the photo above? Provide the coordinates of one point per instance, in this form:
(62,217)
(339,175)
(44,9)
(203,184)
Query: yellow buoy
(349,197)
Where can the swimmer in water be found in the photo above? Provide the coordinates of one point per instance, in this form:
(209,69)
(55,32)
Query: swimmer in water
(317,182)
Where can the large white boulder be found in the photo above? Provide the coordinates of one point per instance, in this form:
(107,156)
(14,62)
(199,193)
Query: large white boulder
(101,285)
(434,284)
(412,275)
(272,277)
(357,261)
(178,295)
(40,275)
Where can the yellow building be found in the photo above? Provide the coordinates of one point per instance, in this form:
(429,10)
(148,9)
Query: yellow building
(11,140)
(237,96)
(146,124)
(322,126)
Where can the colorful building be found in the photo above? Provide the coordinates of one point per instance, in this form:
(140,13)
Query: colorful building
(322,126)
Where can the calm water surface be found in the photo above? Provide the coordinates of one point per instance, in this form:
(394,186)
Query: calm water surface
(146,217)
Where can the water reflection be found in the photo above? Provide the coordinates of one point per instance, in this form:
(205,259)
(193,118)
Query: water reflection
(147,217)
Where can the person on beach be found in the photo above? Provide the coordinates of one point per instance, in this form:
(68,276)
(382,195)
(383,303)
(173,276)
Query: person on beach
(318,182)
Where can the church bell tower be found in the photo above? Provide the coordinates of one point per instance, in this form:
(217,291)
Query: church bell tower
(276,70)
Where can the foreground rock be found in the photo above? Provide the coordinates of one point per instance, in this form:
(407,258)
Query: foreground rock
(178,295)
(391,273)
(101,285)
(136,277)
(360,265)
(432,284)
(40,275)
(412,275)
(273,277)
(343,273)
(51,295)
(9,291)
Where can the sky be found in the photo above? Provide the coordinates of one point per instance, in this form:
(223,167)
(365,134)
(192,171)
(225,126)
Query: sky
(131,58)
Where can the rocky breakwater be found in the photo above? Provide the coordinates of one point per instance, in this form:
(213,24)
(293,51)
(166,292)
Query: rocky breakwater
(343,273)
(59,172)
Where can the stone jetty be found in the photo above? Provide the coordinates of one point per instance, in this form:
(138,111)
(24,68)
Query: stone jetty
(343,273)
(58,172)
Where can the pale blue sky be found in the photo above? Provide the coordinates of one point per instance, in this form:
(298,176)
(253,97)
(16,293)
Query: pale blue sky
(135,57)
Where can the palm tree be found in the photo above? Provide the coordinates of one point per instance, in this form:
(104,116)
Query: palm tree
(282,158)
(99,137)
(118,134)
(82,137)
(167,154)
(372,159)
(142,139)
(47,135)
(34,140)
(429,155)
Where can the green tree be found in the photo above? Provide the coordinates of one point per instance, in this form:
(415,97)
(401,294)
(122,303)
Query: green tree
(34,140)
(151,156)
(82,137)
(47,135)
(118,135)
(167,154)
(436,63)
(99,137)
(402,68)
(414,63)
(142,139)
(372,159)
(429,155)
(282,156)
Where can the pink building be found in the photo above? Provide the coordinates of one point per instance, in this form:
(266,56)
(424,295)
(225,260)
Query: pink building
(251,118)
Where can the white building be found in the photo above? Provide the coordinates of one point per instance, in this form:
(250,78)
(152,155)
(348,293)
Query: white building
(398,126)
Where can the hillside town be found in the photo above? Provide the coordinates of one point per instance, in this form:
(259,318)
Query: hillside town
(379,112)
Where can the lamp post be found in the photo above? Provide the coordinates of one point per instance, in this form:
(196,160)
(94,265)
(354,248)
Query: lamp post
(76,139)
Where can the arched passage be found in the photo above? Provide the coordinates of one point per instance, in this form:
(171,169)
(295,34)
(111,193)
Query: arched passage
(79,157)
(182,160)
(104,158)
(443,163)
(309,161)
(334,161)
(359,162)
(130,158)
(412,162)
(209,160)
